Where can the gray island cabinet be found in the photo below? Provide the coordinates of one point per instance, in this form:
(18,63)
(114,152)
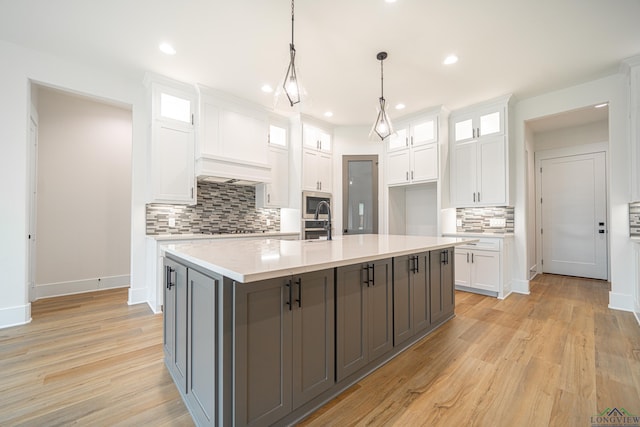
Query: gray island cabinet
(261,333)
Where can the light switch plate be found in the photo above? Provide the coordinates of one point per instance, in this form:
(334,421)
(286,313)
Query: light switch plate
(497,222)
(172,222)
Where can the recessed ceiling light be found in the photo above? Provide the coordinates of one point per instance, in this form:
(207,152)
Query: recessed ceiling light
(167,49)
(400,106)
(451,59)
(267,88)
(601,105)
(328,114)
(390,1)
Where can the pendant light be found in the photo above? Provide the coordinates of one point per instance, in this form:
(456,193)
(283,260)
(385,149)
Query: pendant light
(382,125)
(291,84)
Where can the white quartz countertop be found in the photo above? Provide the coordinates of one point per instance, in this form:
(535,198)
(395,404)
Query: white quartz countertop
(201,236)
(253,260)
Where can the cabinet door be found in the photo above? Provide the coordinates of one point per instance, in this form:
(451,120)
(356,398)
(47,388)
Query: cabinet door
(380,309)
(421,284)
(447,279)
(175,321)
(485,271)
(424,131)
(463,128)
(463,174)
(463,267)
(324,171)
(310,162)
(313,335)
(172,163)
(441,290)
(425,163)
(351,320)
(490,121)
(400,139)
(403,268)
(203,354)
(492,180)
(276,193)
(325,141)
(263,352)
(398,164)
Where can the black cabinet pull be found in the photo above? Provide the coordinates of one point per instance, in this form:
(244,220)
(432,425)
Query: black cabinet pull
(299,300)
(170,283)
(288,285)
(417,264)
(412,268)
(372,276)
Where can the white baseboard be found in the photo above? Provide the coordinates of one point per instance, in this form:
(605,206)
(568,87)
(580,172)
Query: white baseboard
(622,302)
(80,286)
(139,296)
(15,316)
(520,287)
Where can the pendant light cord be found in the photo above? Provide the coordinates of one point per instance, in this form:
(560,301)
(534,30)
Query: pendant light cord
(381,80)
(292,23)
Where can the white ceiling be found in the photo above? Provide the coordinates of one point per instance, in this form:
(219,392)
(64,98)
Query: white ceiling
(524,47)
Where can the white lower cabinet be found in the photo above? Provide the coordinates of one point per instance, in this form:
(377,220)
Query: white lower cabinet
(484,267)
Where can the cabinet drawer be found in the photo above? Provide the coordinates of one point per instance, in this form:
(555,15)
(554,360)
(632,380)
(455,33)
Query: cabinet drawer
(483,244)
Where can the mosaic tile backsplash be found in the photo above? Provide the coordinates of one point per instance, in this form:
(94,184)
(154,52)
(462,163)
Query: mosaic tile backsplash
(221,208)
(634,219)
(478,220)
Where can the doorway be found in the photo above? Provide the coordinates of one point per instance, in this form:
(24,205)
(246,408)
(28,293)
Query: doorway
(360,194)
(573,214)
(80,201)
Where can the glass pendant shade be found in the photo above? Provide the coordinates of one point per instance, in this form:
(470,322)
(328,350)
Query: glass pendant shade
(291,85)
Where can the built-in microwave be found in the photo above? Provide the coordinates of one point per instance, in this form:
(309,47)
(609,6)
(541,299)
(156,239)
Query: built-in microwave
(310,201)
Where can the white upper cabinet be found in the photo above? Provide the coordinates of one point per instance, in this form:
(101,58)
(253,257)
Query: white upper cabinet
(479,168)
(232,139)
(317,159)
(315,138)
(486,121)
(276,193)
(172,145)
(412,152)
(317,170)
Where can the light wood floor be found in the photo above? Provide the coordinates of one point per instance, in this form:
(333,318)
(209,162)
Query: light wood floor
(556,357)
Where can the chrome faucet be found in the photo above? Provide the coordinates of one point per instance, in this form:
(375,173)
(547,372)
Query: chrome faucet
(328,223)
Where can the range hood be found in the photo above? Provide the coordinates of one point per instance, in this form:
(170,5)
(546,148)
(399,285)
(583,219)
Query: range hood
(232,171)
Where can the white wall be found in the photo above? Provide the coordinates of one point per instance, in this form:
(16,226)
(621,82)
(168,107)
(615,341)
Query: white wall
(592,133)
(614,90)
(20,66)
(84,194)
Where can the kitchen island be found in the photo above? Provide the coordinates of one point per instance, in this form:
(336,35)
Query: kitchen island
(262,332)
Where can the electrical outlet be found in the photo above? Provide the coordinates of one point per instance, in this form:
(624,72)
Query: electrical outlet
(268,222)
(497,222)
(458,223)
(172,222)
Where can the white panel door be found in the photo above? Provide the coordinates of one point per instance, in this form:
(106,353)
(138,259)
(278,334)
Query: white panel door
(574,217)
